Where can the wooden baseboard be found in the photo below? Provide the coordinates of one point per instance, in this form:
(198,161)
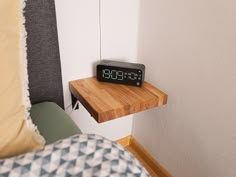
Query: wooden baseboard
(124,141)
(152,166)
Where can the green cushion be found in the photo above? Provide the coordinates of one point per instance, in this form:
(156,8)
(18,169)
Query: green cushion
(52,122)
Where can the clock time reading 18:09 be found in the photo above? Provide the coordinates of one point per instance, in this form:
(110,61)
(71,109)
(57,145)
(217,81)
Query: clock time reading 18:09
(118,75)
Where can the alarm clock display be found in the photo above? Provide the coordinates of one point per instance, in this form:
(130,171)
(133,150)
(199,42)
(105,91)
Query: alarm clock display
(120,72)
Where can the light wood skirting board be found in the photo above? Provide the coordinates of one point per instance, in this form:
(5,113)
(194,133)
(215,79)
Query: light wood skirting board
(152,166)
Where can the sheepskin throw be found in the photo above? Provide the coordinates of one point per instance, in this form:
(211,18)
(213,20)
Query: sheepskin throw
(17,133)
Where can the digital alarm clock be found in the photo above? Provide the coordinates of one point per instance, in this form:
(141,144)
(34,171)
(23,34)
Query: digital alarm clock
(120,72)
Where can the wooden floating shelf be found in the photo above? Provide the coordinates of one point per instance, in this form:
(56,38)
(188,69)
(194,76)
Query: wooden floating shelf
(108,101)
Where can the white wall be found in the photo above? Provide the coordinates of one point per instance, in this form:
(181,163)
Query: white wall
(189,48)
(119,29)
(79,48)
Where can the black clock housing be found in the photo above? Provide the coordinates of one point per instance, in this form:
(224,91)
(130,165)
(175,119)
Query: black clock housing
(121,72)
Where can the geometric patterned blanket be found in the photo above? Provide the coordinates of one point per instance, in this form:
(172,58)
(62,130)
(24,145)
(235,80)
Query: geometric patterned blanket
(84,155)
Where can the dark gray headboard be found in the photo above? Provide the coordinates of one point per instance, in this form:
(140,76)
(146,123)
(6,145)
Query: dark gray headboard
(44,68)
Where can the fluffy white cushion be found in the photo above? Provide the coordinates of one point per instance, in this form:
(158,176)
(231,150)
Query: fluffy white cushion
(17,133)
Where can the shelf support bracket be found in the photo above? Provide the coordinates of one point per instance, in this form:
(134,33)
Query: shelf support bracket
(74,101)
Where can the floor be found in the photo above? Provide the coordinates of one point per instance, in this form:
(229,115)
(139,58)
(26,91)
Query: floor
(151,165)
(136,154)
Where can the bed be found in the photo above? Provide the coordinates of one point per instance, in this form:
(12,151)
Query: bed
(68,152)
(44,69)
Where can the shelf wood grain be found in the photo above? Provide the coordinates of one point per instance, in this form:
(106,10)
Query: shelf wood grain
(107,101)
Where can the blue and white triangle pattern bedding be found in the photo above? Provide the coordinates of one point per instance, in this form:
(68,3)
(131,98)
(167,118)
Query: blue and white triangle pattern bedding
(82,155)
